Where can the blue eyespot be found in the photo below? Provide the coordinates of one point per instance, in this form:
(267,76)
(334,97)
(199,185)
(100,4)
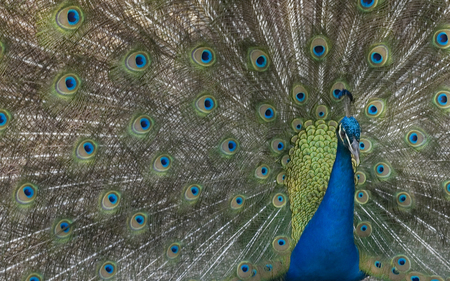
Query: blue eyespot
(145,123)
(264,171)
(448,187)
(206,56)
(254,272)
(442,38)
(28,191)
(174,249)
(367,3)
(112,198)
(88,148)
(229,146)
(402,261)
(73,17)
(402,198)
(268,113)
(360,194)
(239,200)
(280,198)
(415,278)
(319,50)
(261,61)
(380,169)
(281,242)
(165,161)
(442,99)
(194,190)
(336,93)
(300,97)
(376,57)
(395,271)
(71,83)
(3,118)
(34,279)
(209,103)
(283,177)
(280,146)
(413,138)
(139,219)
(109,268)
(363,228)
(232,145)
(268,267)
(321,113)
(244,268)
(378,264)
(361,145)
(140,60)
(64,227)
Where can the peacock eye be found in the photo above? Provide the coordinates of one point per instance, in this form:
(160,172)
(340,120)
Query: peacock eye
(277,145)
(378,56)
(107,270)
(281,177)
(297,124)
(322,112)
(69,18)
(267,113)
(138,221)
(365,145)
(279,200)
(401,263)
(137,61)
(262,172)
(203,56)
(336,89)
(244,270)
(382,170)
(34,277)
(86,150)
(364,229)
(319,48)
(259,60)
(63,228)
(441,38)
(362,196)
(205,104)
(416,138)
(229,147)
(361,177)
(237,202)
(173,251)
(404,199)
(142,124)
(192,192)
(110,200)
(162,163)
(441,99)
(299,94)
(378,264)
(26,193)
(367,5)
(281,244)
(67,85)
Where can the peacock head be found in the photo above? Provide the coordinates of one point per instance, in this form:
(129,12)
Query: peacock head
(348,130)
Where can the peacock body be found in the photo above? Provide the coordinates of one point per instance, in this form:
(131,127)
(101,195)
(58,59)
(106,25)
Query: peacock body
(219,140)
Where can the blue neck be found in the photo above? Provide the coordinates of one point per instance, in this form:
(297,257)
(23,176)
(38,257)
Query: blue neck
(326,249)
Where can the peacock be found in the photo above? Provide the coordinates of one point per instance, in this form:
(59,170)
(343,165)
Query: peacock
(225,140)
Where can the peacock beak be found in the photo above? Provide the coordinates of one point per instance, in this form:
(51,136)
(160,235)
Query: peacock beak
(354,149)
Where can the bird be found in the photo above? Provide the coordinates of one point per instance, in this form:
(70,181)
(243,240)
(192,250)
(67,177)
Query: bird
(225,140)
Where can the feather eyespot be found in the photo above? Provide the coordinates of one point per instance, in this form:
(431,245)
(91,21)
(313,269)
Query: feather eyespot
(193,192)
(382,170)
(268,267)
(416,138)
(107,270)
(336,89)
(281,177)
(299,94)
(162,163)
(319,48)
(138,221)
(26,193)
(34,277)
(67,85)
(441,38)
(285,160)
(173,251)
(63,228)
(403,199)
(401,263)
(86,150)
(361,177)
(142,124)
(378,264)
(281,244)
(367,5)
(5,118)
(375,108)
(378,56)
(206,104)
(277,145)
(279,200)
(267,113)
(203,56)
(442,99)
(229,147)
(244,270)
(137,61)
(364,229)
(237,202)
(259,60)
(365,145)
(297,124)
(362,196)
(262,172)
(110,200)
(322,112)
(69,18)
